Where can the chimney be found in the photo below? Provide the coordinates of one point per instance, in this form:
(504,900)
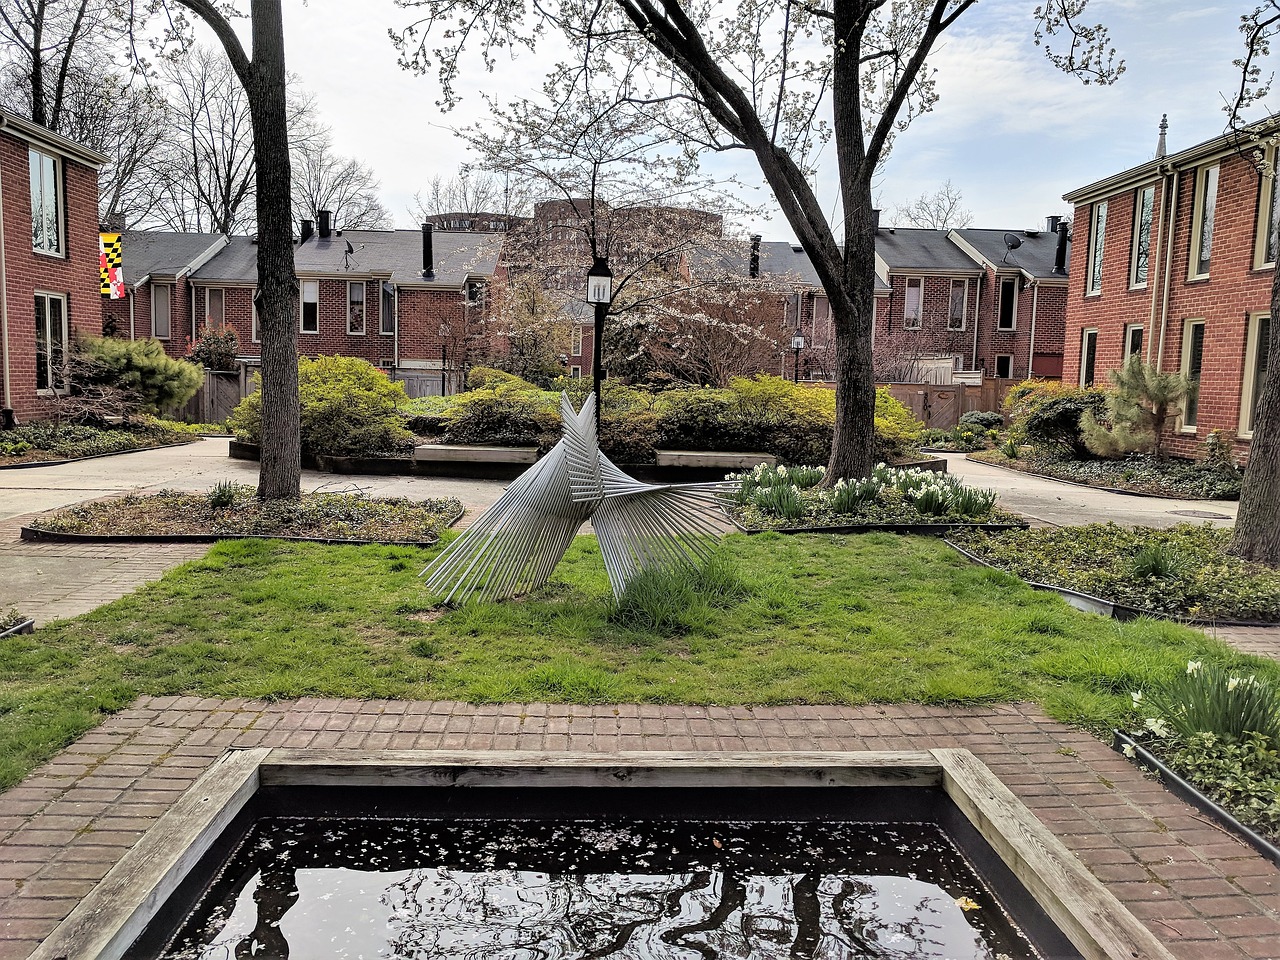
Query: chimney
(1162,145)
(428,252)
(1052,224)
(308,228)
(1060,255)
(326,224)
(875,221)
(755,255)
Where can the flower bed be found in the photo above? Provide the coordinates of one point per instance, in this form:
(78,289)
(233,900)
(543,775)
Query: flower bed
(12,622)
(43,442)
(1138,473)
(1181,572)
(233,511)
(790,498)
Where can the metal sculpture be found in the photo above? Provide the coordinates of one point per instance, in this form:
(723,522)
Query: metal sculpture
(513,547)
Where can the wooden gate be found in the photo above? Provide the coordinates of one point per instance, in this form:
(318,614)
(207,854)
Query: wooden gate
(220,393)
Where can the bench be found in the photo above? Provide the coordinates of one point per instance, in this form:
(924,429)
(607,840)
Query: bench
(707,459)
(470,453)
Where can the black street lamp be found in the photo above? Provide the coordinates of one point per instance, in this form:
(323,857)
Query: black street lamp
(599,294)
(797,344)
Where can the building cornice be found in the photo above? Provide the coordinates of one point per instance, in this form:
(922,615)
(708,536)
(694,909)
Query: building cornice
(39,136)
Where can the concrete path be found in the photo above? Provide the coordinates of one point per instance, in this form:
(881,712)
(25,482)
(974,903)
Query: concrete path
(1200,891)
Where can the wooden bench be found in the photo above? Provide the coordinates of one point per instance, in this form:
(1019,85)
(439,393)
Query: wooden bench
(470,453)
(713,460)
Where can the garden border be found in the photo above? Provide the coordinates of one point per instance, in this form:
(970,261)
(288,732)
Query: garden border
(918,529)
(1109,608)
(1091,486)
(1184,790)
(26,626)
(96,456)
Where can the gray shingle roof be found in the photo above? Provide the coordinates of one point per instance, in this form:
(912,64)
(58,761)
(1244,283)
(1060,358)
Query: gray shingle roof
(151,253)
(380,252)
(914,248)
(1035,255)
(776,258)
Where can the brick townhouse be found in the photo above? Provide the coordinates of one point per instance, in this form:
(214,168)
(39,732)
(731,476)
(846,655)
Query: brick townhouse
(1175,264)
(48,260)
(408,301)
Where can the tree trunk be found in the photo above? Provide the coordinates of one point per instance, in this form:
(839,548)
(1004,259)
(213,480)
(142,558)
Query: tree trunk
(280,475)
(853,452)
(1257,535)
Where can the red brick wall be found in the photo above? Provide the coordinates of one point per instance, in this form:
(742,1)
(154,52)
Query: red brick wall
(933,335)
(1224,300)
(74,275)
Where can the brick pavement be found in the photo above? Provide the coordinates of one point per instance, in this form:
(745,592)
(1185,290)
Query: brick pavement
(1202,892)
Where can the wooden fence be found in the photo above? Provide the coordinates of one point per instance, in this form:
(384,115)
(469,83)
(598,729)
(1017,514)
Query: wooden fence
(941,406)
(221,391)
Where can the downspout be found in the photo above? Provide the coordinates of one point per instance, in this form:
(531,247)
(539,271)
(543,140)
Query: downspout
(1168,269)
(4,317)
(133,297)
(1031,350)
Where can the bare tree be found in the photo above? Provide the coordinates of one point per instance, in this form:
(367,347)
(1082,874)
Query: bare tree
(1257,532)
(941,210)
(777,78)
(473,192)
(324,180)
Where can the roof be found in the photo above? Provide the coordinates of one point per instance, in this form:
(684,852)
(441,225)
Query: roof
(40,136)
(916,248)
(396,254)
(148,253)
(1035,255)
(778,259)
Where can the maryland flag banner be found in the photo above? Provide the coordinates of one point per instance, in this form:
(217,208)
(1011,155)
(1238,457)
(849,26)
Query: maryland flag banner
(110,264)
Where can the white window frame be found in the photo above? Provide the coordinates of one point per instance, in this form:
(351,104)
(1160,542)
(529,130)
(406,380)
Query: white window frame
(168,308)
(1087,334)
(386,317)
(821,315)
(575,372)
(964,307)
(255,327)
(1097,245)
(1140,200)
(1268,216)
(910,322)
(352,285)
(210,321)
(52,374)
(37,174)
(1188,326)
(1250,389)
(302,305)
(1126,349)
(1009,373)
(1013,315)
(1200,220)
(575,341)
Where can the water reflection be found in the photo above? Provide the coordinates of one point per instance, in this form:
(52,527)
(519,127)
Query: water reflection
(575,891)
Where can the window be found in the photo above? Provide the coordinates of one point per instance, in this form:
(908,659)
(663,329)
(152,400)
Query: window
(1097,236)
(1004,366)
(1257,353)
(1144,206)
(576,345)
(959,304)
(475,292)
(215,312)
(1008,304)
(575,373)
(1202,236)
(355,308)
(387,321)
(1133,341)
(1192,361)
(821,332)
(46,203)
(255,331)
(1088,357)
(911,303)
(161,310)
(51,343)
(1264,247)
(310,306)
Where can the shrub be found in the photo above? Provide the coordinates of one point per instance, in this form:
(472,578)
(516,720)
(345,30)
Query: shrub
(348,409)
(1047,415)
(149,379)
(897,429)
(486,378)
(216,349)
(504,415)
(1139,407)
(982,420)
(629,437)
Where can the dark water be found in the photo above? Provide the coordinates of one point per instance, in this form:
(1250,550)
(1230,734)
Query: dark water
(556,890)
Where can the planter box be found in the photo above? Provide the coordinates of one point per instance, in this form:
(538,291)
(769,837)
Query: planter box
(238,450)
(26,626)
(714,460)
(1187,791)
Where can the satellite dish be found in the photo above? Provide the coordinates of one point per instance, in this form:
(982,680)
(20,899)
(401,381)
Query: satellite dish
(1011,242)
(350,249)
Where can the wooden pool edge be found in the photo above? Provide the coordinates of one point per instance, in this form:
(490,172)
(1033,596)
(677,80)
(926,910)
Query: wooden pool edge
(111,917)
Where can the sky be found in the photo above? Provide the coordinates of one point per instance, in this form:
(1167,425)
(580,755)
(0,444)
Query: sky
(1010,131)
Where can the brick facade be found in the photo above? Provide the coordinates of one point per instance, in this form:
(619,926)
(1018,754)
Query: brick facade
(70,275)
(1228,297)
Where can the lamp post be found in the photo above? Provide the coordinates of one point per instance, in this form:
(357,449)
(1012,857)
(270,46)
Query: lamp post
(797,344)
(599,294)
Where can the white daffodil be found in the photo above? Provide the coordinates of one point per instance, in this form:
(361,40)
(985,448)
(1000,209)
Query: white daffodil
(1157,726)
(1193,666)
(1129,750)
(1233,683)
(1137,697)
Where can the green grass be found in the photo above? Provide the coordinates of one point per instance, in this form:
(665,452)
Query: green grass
(789,619)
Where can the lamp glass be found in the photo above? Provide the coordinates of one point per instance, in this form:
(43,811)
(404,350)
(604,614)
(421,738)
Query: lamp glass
(599,289)
(797,342)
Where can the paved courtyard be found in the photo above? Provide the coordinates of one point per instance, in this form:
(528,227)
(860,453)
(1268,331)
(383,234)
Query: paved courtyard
(1199,890)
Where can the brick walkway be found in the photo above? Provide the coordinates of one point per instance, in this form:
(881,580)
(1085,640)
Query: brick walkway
(1203,893)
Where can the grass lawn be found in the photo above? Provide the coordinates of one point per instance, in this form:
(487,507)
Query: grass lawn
(826,619)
